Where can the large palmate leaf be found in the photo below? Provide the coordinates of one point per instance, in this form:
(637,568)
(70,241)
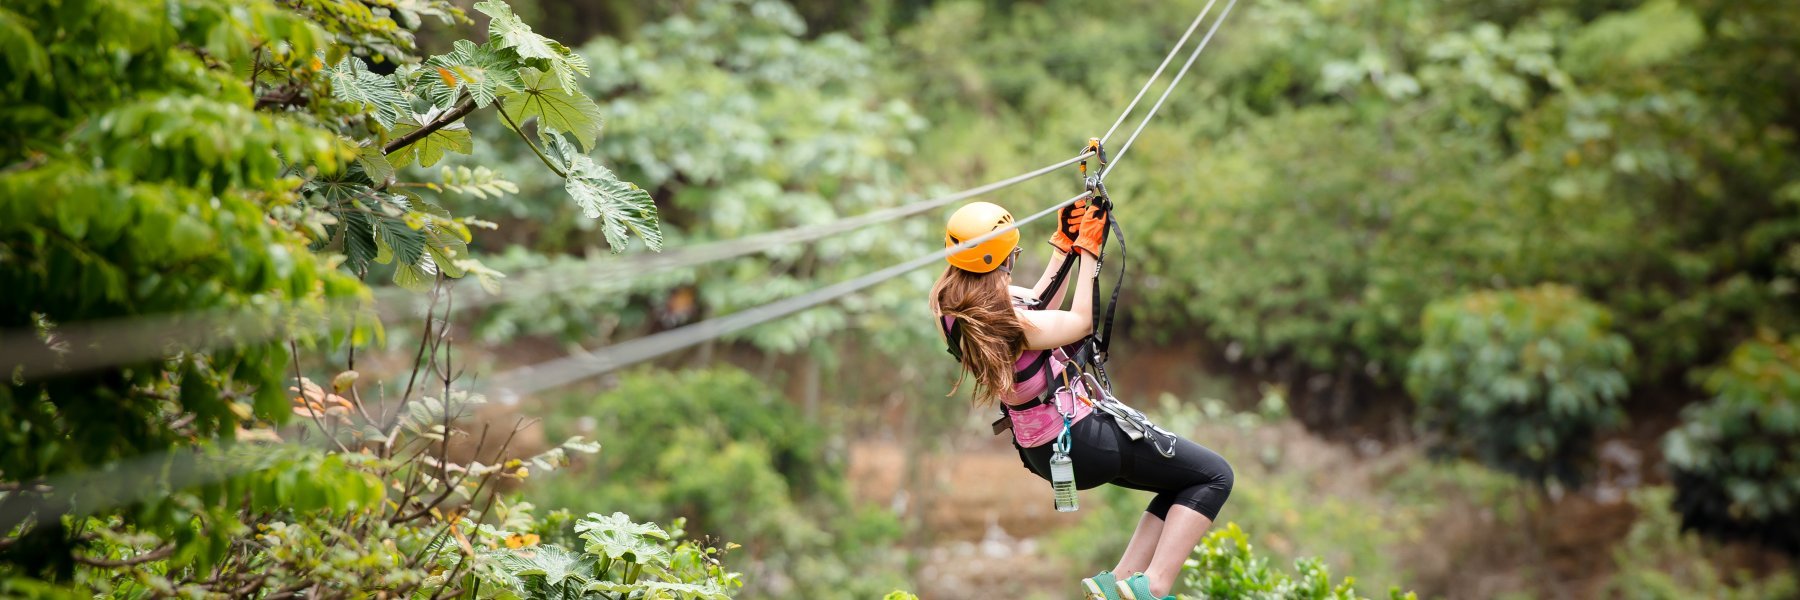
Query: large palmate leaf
(508,31)
(554,564)
(622,207)
(429,150)
(353,83)
(617,537)
(554,107)
(481,70)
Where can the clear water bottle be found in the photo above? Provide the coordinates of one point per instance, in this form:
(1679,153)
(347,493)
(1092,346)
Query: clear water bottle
(1062,481)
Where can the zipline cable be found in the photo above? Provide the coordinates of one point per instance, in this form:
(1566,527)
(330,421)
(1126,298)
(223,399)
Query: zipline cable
(122,341)
(1120,155)
(1159,70)
(568,369)
(708,252)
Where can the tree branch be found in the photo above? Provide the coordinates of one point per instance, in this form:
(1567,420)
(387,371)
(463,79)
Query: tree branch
(462,109)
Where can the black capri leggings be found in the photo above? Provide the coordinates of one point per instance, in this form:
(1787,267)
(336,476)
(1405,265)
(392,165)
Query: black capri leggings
(1195,477)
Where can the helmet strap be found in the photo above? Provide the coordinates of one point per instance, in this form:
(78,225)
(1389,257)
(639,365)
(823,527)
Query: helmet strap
(1007,265)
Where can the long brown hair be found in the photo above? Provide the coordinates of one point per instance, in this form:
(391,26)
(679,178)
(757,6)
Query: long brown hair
(991,338)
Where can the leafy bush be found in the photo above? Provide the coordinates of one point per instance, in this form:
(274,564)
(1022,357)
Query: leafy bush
(1736,457)
(1225,567)
(740,122)
(1659,560)
(724,450)
(619,559)
(1521,378)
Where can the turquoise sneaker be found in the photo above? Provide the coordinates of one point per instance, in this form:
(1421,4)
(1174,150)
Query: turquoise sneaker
(1137,587)
(1102,586)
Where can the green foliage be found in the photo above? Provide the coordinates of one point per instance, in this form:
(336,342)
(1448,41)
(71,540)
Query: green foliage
(137,188)
(382,515)
(1736,457)
(1521,378)
(1659,560)
(736,121)
(725,451)
(1225,566)
(620,559)
(183,157)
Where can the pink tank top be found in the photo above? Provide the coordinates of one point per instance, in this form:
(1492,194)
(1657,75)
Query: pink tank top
(1041,424)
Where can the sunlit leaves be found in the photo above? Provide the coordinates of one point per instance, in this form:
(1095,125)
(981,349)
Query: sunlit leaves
(1653,33)
(554,107)
(508,31)
(352,82)
(617,537)
(621,558)
(478,70)
(430,149)
(1229,567)
(622,207)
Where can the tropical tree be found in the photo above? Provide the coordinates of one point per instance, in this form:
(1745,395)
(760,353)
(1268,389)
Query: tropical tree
(203,155)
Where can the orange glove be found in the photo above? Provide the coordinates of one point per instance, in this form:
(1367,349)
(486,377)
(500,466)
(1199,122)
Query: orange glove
(1091,233)
(1068,226)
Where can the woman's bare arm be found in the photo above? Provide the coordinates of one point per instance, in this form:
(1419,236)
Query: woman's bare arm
(1040,291)
(1046,329)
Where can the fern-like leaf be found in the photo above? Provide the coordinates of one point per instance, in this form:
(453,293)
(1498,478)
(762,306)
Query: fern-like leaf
(358,232)
(622,207)
(352,83)
(480,70)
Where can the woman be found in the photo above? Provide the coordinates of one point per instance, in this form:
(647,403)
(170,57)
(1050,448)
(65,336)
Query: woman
(1008,338)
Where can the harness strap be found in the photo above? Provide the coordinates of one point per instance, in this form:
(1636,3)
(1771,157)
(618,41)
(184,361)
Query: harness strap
(1104,335)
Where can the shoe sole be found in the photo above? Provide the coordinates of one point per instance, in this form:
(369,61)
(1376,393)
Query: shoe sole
(1125,592)
(1093,590)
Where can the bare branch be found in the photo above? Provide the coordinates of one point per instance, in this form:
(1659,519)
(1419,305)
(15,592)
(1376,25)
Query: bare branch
(456,113)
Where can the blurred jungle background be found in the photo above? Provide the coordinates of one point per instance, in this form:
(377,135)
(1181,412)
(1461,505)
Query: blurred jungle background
(1482,299)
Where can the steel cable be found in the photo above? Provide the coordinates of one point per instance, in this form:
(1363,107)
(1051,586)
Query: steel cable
(1159,70)
(1120,155)
(115,342)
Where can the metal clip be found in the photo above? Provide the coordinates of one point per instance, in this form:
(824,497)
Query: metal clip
(1094,146)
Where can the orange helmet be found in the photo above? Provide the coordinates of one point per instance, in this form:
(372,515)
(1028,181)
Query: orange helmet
(975,220)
